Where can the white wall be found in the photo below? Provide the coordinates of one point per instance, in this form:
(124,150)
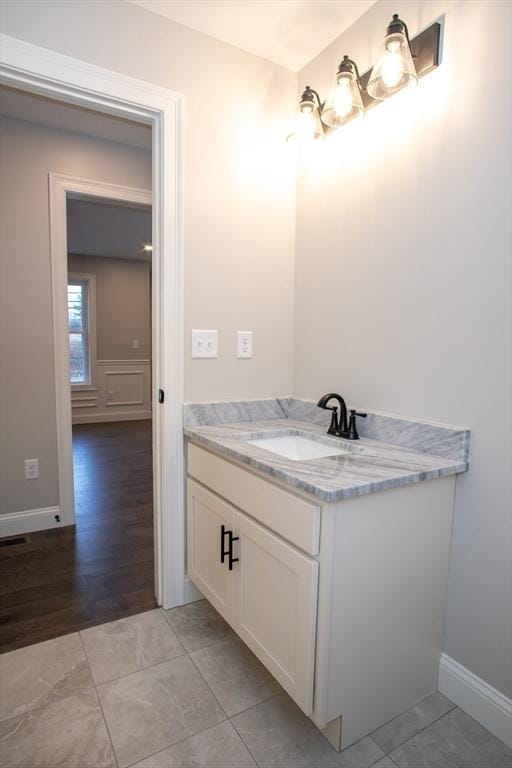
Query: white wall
(403,282)
(28,152)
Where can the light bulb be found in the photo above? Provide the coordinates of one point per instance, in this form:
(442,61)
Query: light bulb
(308,126)
(392,71)
(305,125)
(343,97)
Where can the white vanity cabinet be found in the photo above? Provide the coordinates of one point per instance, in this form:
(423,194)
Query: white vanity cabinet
(208,517)
(343,603)
(264,587)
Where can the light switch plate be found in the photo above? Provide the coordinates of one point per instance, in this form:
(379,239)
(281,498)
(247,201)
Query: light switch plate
(204,343)
(244,344)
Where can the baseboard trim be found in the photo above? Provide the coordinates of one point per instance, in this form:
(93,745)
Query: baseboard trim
(29,521)
(96,418)
(191,593)
(480,700)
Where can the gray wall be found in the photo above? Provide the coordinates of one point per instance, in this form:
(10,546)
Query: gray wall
(238,208)
(239,184)
(27,401)
(403,283)
(123,307)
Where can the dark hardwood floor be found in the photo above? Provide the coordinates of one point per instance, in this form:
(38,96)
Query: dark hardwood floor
(99,570)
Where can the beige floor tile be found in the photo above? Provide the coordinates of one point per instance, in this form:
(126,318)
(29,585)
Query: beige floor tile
(41,673)
(411,722)
(121,647)
(279,735)
(235,675)
(386,762)
(454,741)
(150,710)
(66,733)
(218,747)
(198,625)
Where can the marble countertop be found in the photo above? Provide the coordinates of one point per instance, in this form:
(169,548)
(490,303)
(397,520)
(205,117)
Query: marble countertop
(370,466)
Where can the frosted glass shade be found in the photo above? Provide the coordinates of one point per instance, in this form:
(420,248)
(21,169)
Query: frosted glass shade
(394,69)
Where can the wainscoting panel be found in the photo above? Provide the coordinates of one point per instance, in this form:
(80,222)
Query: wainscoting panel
(121,391)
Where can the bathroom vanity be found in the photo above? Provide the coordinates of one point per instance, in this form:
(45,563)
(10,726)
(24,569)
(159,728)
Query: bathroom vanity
(332,569)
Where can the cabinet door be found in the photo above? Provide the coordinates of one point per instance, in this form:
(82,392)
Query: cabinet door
(206,514)
(275,607)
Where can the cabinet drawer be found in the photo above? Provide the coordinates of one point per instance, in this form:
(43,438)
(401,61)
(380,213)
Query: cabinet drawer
(292,517)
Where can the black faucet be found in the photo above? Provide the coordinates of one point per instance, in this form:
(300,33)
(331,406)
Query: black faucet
(335,426)
(340,428)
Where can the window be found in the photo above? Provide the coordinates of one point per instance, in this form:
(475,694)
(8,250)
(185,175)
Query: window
(78,326)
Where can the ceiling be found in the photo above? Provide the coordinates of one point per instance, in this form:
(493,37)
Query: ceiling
(288,32)
(112,230)
(68,117)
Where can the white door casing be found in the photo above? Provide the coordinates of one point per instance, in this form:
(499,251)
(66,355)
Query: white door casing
(60,187)
(39,70)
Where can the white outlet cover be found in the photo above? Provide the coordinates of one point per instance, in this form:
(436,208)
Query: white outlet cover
(244,344)
(205,344)
(31,469)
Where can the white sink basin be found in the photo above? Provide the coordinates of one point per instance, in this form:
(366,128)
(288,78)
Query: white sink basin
(297,448)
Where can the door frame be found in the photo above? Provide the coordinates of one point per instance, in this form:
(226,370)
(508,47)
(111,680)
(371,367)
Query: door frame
(39,70)
(59,188)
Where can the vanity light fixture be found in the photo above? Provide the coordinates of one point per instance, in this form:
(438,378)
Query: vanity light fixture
(395,68)
(345,102)
(401,62)
(308,125)
(148,248)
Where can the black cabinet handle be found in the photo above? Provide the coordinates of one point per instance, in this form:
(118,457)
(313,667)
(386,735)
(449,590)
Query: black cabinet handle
(231,558)
(229,551)
(223,552)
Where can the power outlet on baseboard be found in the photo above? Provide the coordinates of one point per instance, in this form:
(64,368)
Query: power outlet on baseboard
(31,469)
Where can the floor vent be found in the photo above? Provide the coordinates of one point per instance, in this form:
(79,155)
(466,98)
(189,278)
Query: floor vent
(14,541)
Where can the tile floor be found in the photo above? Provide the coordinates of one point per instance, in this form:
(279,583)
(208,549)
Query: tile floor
(177,689)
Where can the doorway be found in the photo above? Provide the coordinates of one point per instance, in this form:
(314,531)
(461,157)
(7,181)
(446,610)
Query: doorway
(32,69)
(109,341)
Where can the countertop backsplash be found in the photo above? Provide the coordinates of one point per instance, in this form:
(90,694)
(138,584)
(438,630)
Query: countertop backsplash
(417,435)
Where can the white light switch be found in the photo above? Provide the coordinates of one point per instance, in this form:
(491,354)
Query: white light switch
(244,344)
(204,344)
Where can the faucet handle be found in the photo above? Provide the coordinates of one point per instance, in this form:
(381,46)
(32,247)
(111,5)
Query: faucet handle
(334,425)
(352,429)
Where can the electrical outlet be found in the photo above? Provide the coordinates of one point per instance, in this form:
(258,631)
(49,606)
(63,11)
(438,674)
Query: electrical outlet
(204,344)
(31,469)
(244,344)
(135,344)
